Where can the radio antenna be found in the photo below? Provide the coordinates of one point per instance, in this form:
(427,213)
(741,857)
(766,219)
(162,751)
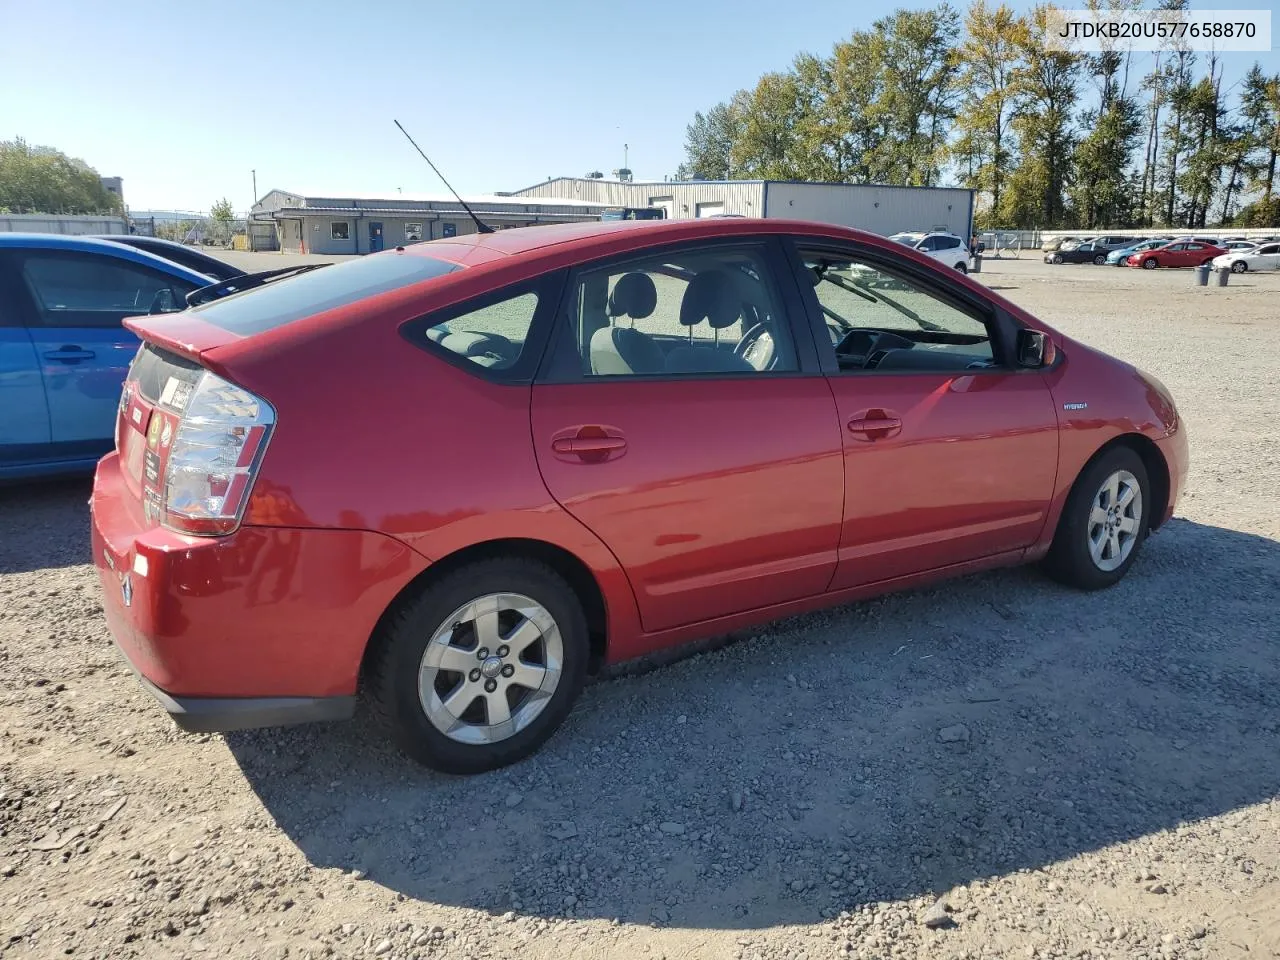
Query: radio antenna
(481,226)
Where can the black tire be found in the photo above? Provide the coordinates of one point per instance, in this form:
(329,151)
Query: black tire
(1069,560)
(391,672)
(1100,260)
(962,268)
(1239,266)
(1150,263)
(1057,258)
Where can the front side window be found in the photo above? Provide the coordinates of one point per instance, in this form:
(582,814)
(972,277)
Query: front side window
(881,321)
(81,289)
(340,230)
(714,311)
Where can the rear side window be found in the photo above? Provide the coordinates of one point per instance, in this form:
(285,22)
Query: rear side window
(491,336)
(292,298)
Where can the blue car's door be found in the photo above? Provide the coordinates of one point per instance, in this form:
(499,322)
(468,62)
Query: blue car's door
(78,301)
(24,418)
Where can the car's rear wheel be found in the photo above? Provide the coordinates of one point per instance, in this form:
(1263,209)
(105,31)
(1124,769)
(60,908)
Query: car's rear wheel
(480,668)
(1150,263)
(1103,524)
(1239,267)
(1100,260)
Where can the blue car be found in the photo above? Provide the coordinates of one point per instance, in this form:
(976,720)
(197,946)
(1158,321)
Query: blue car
(63,349)
(1118,257)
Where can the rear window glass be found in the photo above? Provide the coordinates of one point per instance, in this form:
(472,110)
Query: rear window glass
(283,301)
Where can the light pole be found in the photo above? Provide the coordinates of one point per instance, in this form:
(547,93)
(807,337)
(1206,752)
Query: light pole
(255,187)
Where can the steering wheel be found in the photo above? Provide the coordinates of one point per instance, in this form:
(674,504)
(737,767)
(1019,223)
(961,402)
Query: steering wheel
(758,347)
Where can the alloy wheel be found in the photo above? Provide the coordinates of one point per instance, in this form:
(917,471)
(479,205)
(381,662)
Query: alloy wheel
(1239,267)
(1115,520)
(491,668)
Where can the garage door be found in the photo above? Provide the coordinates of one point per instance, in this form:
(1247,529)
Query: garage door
(710,209)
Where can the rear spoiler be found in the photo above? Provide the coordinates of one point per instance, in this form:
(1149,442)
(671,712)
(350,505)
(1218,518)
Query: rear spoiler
(224,288)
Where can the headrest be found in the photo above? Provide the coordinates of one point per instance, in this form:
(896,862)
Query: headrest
(634,295)
(710,296)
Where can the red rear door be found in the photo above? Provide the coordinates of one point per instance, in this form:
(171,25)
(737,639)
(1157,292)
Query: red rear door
(685,426)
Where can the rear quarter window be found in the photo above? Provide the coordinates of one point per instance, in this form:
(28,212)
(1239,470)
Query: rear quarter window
(292,298)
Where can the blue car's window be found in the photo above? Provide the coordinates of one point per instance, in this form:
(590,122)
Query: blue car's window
(73,289)
(292,298)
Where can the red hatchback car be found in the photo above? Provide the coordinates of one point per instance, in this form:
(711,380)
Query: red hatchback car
(1180,253)
(457,477)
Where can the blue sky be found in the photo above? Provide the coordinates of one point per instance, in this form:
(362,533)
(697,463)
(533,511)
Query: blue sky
(182,98)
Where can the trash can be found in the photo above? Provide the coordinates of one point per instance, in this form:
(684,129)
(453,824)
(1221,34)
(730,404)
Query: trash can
(975,263)
(1202,275)
(1223,274)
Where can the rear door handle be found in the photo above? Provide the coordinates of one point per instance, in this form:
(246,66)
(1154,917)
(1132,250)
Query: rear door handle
(588,444)
(876,427)
(69,353)
(591,444)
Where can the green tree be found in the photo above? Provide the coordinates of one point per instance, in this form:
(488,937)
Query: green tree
(989,65)
(36,179)
(222,212)
(765,147)
(911,52)
(1044,124)
(1260,110)
(708,142)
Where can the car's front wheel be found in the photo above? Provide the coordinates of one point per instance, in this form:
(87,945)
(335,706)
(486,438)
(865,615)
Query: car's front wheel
(1239,267)
(1150,263)
(480,668)
(1057,258)
(962,267)
(1104,522)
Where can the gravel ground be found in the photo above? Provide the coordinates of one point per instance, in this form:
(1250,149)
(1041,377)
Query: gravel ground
(997,767)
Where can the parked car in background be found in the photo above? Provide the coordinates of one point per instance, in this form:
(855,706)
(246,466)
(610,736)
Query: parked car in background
(181,253)
(1119,256)
(63,349)
(946,248)
(1091,251)
(1264,256)
(1231,245)
(1180,253)
(266,547)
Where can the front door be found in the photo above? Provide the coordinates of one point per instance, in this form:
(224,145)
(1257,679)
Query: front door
(682,422)
(950,452)
(75,303)
(375,236)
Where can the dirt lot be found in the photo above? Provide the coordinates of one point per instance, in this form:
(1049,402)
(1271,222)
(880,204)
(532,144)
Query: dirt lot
(1074,775)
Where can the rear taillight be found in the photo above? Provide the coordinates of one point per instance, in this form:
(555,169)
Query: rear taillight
(214,453)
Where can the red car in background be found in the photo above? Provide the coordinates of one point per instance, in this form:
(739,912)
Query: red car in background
(1179,253)
(459,476)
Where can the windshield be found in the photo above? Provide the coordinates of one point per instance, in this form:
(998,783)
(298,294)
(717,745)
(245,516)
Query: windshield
(909,239)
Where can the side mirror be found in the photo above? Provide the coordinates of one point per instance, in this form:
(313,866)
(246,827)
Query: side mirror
(162,302)
(1034,348)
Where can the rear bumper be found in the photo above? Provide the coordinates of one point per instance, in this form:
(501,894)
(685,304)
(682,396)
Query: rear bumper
(263,627)
(223,714)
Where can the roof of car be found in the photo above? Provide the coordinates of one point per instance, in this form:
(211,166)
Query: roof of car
(55,241)
(529,240)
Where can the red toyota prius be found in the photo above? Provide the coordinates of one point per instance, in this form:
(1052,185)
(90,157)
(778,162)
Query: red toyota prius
(459,476)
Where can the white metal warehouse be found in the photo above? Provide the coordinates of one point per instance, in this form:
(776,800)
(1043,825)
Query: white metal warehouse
(315,223)
(879,209)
